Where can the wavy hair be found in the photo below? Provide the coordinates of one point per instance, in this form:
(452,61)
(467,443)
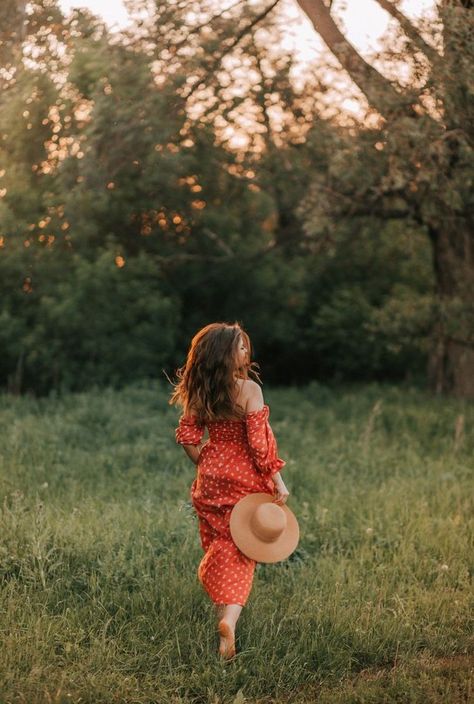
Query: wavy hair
(206,382)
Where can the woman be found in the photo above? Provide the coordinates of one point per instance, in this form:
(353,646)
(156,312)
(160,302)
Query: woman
(239,458)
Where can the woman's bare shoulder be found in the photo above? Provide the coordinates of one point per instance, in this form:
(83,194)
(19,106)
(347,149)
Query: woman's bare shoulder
(252,396)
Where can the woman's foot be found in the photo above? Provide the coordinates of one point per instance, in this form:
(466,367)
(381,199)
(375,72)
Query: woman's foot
(227,642)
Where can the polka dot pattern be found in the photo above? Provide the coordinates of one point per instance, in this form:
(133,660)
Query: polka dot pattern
(239,458)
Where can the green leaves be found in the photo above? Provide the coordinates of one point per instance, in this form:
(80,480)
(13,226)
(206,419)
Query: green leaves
(176,174)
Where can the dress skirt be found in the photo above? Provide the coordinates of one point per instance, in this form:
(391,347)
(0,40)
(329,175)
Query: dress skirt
(240,458)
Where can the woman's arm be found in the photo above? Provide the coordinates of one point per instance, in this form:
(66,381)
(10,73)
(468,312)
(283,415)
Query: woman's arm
(189,435)
(193,451)
(255,402)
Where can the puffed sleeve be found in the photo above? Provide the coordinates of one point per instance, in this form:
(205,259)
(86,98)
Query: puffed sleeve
(189,431)
(263,446)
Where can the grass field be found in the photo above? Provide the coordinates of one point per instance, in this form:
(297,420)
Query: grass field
(99,548)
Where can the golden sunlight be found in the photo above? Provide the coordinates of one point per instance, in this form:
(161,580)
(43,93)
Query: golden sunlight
(365,24)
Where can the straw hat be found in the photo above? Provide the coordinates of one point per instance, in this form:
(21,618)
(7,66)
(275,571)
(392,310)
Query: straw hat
(262,529)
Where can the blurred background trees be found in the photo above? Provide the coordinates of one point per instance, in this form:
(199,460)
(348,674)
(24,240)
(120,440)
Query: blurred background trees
(424,174)
(182,171)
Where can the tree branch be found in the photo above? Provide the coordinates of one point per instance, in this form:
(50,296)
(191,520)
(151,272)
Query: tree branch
(411,31)
(215,259)
(380,92)
(212,66)
(207,23)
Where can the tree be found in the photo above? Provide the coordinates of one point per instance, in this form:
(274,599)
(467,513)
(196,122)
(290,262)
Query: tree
(439,196)
(424,130)
(12,33)
(127,203)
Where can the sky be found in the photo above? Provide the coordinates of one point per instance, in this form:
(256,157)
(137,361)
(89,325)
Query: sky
(363,21)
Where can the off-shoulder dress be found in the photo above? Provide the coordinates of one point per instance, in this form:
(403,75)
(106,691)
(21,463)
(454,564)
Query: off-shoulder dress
(240,458)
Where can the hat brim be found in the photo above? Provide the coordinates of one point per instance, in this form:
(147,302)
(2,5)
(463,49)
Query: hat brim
(250,544)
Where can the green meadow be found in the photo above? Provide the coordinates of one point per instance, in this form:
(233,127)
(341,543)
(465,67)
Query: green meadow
(99,549)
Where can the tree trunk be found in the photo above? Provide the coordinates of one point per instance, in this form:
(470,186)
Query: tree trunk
(451,366)
(451,363)
(451,360)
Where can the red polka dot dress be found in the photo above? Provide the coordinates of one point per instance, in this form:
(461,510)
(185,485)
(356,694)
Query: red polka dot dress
(239,458)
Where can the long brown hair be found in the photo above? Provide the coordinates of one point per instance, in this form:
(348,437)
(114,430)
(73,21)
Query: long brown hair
(206,382)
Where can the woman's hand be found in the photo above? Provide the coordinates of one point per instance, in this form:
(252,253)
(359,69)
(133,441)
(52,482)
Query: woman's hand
(281,492)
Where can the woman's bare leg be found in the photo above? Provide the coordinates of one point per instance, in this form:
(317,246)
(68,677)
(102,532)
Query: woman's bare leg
(231,613)
(227,623)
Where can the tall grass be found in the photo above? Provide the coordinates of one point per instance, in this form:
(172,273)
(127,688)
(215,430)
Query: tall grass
(99,596)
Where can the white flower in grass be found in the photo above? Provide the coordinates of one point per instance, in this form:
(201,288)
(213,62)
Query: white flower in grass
(369,531)
(444,567)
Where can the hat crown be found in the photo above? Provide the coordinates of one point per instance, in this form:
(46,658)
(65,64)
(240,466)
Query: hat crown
(268,522)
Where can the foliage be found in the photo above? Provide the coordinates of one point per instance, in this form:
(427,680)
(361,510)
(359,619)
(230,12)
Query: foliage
(416,164)
(94,323)
(131,216)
